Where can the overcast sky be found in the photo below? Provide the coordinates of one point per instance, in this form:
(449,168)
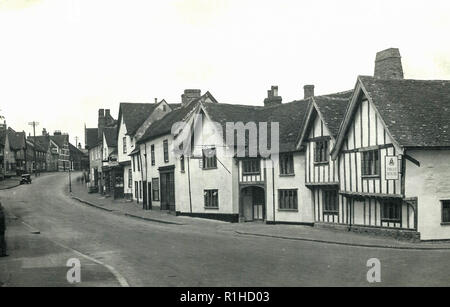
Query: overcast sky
(62,60)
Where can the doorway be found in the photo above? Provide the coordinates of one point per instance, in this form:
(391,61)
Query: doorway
(253,207)
(167,183)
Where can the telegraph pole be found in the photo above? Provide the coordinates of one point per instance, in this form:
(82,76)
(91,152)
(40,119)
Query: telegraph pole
(34,124)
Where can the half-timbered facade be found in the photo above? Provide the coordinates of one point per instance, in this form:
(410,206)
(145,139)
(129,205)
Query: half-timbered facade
(321,172)
(393,129)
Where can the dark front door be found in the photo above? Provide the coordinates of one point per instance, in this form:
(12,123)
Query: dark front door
(144,199)
(167,190)
(149,195)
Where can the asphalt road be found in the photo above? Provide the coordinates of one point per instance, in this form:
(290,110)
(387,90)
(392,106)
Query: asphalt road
(203,254)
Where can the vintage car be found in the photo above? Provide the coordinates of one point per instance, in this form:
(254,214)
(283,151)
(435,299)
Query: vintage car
(26,178)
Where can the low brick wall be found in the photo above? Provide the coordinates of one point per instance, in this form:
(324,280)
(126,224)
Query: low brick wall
(399,234)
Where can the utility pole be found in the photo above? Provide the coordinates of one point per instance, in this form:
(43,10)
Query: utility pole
(34,124)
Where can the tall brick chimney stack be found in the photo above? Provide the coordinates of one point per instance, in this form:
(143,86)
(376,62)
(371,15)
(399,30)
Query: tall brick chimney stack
(272,97)
(308,91)
(101,122)
(189,95)
(388,64)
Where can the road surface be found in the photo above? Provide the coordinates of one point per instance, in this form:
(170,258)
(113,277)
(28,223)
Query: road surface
(202,254)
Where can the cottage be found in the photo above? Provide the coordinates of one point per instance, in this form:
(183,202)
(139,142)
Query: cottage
(134,119)
(318,137)
(393,151)
(94,145)
(154,162)
(235,181)
(17,145)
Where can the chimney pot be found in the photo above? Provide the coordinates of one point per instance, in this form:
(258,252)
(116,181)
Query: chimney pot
(308,91)
(189,95)
(156,100)
(272,97)
(388,64)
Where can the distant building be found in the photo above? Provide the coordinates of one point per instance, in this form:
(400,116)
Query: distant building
(94,145)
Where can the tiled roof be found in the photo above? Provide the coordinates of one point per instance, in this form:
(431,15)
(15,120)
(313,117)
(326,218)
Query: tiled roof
(332,108)
(60,140)
(416,112)
(290,117)
(164,125)
(91,137)
(134,114)
(111,136)
(36,144)
(16,139)
(42,140)
(74,151)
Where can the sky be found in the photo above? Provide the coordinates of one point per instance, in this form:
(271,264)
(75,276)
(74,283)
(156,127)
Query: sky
(62,60)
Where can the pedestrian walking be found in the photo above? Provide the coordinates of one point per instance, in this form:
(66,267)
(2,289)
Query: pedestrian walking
(2,232)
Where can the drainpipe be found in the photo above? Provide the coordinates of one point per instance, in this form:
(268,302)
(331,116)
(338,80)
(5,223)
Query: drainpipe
(189,183)
(273,191)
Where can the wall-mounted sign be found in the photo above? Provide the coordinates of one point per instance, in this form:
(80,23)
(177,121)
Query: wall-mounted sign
(391,167)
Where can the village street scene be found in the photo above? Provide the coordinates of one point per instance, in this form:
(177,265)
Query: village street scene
(343,181)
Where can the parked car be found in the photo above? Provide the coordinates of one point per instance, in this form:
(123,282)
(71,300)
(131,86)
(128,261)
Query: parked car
(26,178)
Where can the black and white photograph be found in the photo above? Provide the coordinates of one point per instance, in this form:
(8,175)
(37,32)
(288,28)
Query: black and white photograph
(224,148)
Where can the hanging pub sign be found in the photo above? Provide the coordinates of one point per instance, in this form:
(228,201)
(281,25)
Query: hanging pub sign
(391,167)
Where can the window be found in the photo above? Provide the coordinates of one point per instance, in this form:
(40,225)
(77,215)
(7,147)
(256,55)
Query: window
(124,140)
(211,199)
(330,202)
(370,163)
(166,150)
(446,211)
(251,166)
(138,158)
(134,164)
(391,212)
(321,152)
(155,189)
(182,163)
(287,164)
(140,189)
(130,178)
(209,158)
(287,200)
(153,154)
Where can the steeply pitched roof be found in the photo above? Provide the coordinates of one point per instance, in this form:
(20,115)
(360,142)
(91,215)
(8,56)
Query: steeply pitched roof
(36,144)
(42,140)
(416,112)
(164,125)
(91,137)
(332,109)
(60,139)
(110,136)
(134,114)
(16,139)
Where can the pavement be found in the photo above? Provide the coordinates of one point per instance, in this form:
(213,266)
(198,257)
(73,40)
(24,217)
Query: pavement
(35,260)
(9,183)
(115,249)
(280,231)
